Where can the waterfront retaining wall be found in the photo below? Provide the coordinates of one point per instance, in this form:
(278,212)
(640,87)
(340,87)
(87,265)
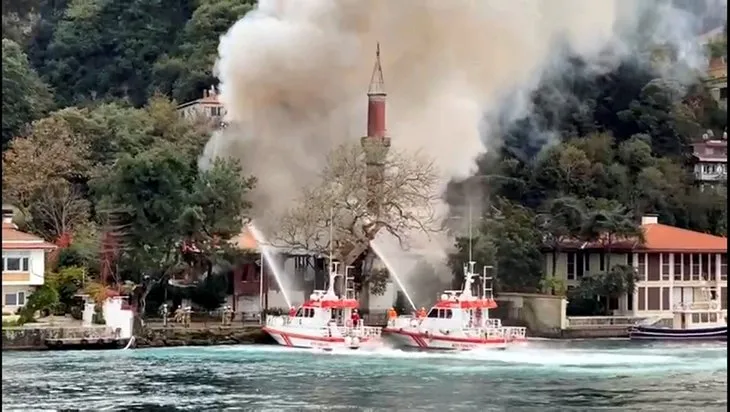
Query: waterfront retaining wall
(34,338)
(179,336)
(543,315)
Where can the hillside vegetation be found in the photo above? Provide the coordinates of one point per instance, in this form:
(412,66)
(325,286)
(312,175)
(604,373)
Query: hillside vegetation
(92,144)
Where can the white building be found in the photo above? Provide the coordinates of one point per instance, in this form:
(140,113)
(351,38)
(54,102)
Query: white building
(710,160)
(207,106)
(673,264)
(24,264)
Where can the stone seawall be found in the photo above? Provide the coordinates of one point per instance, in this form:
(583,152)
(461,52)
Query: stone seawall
(179,336)
(34,338)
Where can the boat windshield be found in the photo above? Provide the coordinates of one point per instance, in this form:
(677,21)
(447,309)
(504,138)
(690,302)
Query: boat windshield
(440,313)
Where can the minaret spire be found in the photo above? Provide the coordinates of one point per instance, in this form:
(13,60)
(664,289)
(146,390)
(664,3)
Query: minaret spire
(376,79)
(376,143)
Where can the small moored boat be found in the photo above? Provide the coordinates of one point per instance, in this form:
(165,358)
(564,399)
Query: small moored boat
(701,320)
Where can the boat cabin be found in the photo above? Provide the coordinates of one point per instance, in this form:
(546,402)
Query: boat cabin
(700,315)
(461,308)
(325,306)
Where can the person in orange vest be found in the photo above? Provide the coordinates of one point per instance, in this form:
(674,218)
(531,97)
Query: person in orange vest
(392,314)
(292,312)
(355,318)
(421,313)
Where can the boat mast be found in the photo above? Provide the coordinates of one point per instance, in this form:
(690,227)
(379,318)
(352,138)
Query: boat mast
(470,251)
(332,218)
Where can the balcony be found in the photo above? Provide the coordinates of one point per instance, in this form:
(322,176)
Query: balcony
(19,277)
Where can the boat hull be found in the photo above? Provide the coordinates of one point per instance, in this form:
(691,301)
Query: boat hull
(652,333)
(427,341)
(309,339)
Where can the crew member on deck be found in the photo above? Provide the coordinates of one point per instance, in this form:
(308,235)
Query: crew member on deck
(355,318)
(421,313)
(292,312)
(392,314)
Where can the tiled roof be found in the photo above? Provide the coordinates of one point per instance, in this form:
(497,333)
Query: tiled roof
(17,240)
(661,238)
(667,238)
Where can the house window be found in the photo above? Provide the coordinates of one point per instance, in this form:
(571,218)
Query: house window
(587,262)
(723,267)
(300,262)
(678,266)
(602,261)
(15,299)
(695,266)
(571,266)
(665,298)
(709,270)
(723,93)
(665,265)
(215,111)
(16,264)
(686,267)
(642,267)
(630,259)
(642,298)
(653,299)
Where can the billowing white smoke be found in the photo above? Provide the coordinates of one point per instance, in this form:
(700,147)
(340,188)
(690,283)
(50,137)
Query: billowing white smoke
(294,76)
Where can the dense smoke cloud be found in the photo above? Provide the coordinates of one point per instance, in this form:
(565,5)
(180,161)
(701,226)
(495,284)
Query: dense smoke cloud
(294,76)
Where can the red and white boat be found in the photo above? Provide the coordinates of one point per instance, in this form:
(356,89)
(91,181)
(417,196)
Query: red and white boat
(324,322)
(458,321)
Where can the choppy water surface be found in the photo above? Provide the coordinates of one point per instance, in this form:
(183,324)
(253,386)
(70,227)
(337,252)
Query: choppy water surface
(544,376)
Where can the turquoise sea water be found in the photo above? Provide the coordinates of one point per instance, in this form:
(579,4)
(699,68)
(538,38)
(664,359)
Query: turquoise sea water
(543,376)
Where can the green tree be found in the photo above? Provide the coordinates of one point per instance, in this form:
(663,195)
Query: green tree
(102,49)
(608,223)
(164,204)
(561,220)
(510,242)
(25,96)
(189,69)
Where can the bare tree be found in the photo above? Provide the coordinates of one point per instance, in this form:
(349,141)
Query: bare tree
(58,208)
(341,199)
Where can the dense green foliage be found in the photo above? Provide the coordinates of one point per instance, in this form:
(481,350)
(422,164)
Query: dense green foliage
(104,165)
(617,148)
(92,144)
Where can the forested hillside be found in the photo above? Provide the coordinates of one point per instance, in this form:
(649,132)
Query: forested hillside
(92,144)
(616,148)
(95,157)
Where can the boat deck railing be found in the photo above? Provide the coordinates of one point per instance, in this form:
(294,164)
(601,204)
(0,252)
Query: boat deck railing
(359,330)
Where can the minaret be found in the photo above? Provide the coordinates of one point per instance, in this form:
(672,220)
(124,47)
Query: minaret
(375,144)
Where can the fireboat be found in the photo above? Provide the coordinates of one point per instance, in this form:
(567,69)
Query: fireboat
(458,321)
(325,321)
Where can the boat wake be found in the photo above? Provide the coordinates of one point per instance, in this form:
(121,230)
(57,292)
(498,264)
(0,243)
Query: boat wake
(534,357)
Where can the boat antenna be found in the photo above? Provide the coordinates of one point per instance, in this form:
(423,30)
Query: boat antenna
(470,252)
(332,220)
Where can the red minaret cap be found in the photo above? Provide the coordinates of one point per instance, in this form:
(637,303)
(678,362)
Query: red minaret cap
(376,100)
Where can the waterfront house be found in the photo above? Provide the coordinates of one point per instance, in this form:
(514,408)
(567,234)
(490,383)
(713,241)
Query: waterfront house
(208,106)
(254,285)
(671,264)
(24,261)
(710,160)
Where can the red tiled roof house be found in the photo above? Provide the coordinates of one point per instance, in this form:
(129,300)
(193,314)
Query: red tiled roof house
(672,265)
(24,260)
